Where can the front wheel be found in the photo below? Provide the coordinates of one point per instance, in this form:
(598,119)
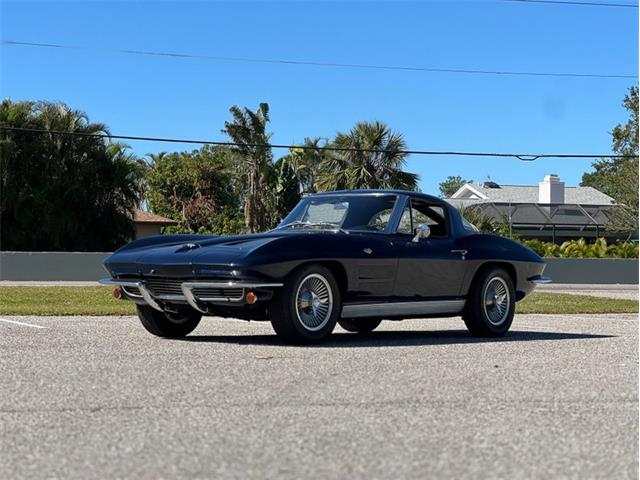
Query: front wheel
(491,304)
(168,325)
(306,308)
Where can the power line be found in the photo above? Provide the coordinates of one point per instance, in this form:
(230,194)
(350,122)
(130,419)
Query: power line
(588,4)
(520,156)
(315,63)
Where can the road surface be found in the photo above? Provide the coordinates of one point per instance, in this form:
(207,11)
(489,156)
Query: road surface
(98,397)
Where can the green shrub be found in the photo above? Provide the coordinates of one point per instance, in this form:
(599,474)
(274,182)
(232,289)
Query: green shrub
(581,249)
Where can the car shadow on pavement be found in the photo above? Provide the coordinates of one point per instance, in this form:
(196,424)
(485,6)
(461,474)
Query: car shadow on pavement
(397,338)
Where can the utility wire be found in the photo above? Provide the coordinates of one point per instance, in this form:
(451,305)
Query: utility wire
(527,157)
(588,4)
(315,63)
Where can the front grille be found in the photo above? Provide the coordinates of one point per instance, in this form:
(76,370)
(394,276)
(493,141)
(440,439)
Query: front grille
(210,292)
(164,286)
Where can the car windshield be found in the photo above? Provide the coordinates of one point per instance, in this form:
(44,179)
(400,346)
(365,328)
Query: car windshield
(343,212)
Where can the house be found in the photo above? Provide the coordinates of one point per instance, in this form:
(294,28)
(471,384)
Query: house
(147,223)
(549,211)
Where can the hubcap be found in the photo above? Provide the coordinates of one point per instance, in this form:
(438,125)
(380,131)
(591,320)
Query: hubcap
(314,302)
(496,300)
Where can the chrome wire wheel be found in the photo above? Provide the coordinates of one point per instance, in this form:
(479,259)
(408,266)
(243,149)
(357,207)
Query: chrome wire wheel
(496,300)
(314,302)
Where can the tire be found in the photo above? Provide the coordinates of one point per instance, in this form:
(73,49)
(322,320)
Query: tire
(360,325)
(306,308)
(490,304)
(167,325)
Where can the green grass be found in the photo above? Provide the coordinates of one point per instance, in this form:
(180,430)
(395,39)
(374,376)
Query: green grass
(99,301)
(543,302)
(62,301)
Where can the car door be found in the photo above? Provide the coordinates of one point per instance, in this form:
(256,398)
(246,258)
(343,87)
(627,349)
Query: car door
(431,267)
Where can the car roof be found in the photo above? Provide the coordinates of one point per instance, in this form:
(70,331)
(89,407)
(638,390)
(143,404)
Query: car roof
(410,193)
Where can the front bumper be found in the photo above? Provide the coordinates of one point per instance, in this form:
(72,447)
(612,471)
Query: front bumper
(189,289)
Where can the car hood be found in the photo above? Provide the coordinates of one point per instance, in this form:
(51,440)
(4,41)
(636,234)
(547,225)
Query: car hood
(190,256)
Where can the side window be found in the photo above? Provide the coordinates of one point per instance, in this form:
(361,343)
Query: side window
(423,213)
(405,222)
(380,220)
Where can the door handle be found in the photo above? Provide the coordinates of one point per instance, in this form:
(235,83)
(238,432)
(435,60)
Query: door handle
(461,252)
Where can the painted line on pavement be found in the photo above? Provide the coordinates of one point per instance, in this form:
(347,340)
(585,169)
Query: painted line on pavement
(21,323)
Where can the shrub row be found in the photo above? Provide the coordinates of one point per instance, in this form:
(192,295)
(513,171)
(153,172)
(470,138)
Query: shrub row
(581,249)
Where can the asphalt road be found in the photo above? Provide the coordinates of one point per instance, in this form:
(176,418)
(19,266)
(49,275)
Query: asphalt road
(100,398)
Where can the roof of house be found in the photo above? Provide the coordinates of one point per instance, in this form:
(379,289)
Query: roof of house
(474,192)
(140,216)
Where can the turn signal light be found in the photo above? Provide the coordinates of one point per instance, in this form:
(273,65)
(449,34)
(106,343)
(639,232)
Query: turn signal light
(117,293)
(251,298)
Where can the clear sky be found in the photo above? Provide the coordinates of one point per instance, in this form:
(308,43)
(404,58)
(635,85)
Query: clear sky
(189,98)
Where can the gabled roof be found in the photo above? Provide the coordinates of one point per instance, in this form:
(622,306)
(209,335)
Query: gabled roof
(140,216)
(477,193)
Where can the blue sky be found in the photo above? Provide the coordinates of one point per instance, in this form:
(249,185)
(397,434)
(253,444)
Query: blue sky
(436,111)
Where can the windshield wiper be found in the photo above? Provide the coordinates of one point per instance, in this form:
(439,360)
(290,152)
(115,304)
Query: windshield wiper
(297,223)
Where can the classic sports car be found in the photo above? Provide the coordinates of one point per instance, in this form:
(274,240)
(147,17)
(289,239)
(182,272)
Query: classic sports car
(351,257)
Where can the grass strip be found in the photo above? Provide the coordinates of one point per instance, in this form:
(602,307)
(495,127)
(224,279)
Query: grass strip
(23,300)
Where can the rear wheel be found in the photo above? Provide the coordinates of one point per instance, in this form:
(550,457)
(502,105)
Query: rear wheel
(168,325)
(491,304)
(306,308)
(360,325)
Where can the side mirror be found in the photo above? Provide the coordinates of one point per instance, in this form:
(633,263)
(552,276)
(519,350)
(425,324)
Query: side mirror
(423,231)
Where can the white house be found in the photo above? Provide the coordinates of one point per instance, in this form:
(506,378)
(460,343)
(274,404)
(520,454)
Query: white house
(549,210)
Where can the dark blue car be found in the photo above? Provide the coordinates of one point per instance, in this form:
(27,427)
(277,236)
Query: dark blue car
(348,257)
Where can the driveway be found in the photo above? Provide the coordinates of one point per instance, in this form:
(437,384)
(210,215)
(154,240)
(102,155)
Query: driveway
(98,397)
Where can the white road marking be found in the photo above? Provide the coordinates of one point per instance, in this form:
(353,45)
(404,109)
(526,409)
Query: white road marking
(21,323)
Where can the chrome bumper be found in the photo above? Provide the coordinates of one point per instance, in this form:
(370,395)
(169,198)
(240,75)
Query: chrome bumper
(146,296)
(539,279)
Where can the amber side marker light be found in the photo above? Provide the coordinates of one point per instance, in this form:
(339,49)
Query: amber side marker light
(251,298)
(117,293)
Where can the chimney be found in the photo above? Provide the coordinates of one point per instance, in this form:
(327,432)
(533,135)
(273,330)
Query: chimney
(551,190)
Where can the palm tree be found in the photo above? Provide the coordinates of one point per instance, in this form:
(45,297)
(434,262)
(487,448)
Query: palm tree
(306,162)
(248,131)
(64,192)
(371,155)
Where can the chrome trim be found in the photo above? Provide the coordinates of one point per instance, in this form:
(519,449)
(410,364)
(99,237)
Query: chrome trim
(119,283)
(148,298)
(422,231)
(136,284)
(232,284)
(187,289)
(462,252)
(425,307)
(132,296)
(191,299)
(540,279)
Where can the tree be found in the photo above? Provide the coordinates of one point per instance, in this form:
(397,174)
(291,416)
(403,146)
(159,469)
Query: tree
(306,162)
(374,160)
(618,177)
(249,130)
(64,192)
(287,188)
(451,185)
(197,189)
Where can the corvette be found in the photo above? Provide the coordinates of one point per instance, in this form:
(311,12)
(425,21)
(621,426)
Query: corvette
(347,257)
